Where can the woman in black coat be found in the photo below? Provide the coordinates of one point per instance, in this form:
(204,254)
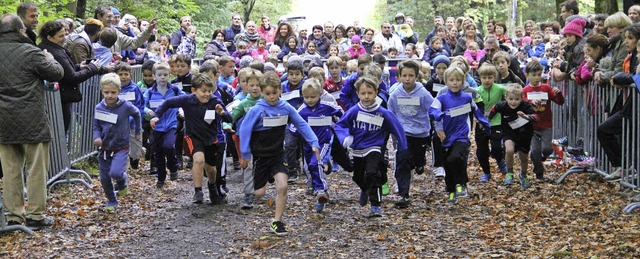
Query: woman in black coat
(53,35)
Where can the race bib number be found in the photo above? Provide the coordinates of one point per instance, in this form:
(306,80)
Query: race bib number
(275,121)
(106,117)
(408,101)
(336,95)
(155,103)
(291,95)
(438,87)
(130,96)
(516,124)
(370,118)
(538,96)
(209,116)
(320,121)
(460,110)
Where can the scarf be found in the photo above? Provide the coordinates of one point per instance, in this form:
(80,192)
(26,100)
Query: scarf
(252,37)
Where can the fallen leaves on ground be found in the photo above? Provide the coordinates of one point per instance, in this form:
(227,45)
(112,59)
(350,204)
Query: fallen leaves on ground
(581,218)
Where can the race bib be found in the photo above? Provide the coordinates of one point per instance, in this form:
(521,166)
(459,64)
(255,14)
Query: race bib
(106,117)
(179,84)
(209,116)
(438,87)
(155,103)
(370,118)
(538,96)
(460,110)
(130,96)
(232,105)
(290,95)
(408,100)
(320,121)
(275,121)
(518,123)
(336,95)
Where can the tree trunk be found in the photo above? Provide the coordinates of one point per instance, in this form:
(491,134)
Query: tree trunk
(81,8)
(248,8)
(606,6)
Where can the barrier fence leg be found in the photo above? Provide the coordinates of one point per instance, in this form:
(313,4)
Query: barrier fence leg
(68,179)
(580,170)
(3,223)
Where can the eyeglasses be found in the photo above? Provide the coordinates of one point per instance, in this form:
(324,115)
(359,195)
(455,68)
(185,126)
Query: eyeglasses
(328,26)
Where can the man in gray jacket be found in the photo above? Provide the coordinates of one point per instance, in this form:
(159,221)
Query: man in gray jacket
(24,131)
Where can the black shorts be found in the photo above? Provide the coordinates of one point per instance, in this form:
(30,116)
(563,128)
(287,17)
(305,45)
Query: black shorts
(522,143)
(264,168)
(210,152)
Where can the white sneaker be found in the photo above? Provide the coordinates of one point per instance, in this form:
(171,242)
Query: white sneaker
(439,172)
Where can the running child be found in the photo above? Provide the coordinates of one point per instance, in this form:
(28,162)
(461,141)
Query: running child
(262,133)
(203,114)
(129,91)
(111,129)
(453,124)
(517,131)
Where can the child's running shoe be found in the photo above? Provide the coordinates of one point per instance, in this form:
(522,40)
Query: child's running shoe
(364,198)
(279,228)
(420,170)
(198,197)
(385,189)
(461,191)
(319,207)
(160,185)
(376,211)
(248,201)
(173,176)
(323,197)
(452,198)
(508,179)
(439,172)
(485,178)
(403,203)
(524,181)
(111,206)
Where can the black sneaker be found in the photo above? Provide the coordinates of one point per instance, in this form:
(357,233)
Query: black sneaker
(403,203)
(173,176)
(420,170)
(180,164)
(293,178)
(159,185)
(198,197)
(214,196)
(279,228)
(39,224)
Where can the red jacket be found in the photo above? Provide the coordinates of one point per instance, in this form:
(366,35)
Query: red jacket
(544,107)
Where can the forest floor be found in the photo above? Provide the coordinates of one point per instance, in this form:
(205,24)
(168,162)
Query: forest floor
(582,217)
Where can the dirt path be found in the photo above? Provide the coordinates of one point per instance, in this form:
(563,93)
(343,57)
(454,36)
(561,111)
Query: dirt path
(580,218)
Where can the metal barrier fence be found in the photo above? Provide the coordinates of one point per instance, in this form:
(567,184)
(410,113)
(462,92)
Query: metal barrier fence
(585,108)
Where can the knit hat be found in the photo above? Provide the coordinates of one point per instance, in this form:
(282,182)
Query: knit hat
(526,39)
(114,11)
(441,59)
(294,59)
(268,66)
(355,38)
(574,27)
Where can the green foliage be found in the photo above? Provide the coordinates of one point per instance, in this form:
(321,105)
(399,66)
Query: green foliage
(49,10)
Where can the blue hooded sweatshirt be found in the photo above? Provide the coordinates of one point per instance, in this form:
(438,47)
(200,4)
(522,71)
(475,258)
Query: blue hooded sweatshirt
(115,136)
(153,99)
(132,93)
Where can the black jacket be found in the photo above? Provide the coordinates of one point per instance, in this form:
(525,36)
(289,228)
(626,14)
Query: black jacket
(73,75)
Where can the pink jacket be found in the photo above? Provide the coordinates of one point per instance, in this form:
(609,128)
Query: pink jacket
(474,58)
(259,55)
(269,34)
(583,74)
(356,53)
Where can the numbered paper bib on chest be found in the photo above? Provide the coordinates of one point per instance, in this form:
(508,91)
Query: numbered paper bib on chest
(538,96)
(335,95)
(275,121)
(155,103)
(209,116)
(409,101)
(106,116)
(320,121)
(290,95)
(130,96)
(460,110)
(438,87)
(179,84)
(518,123)
(370,118)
